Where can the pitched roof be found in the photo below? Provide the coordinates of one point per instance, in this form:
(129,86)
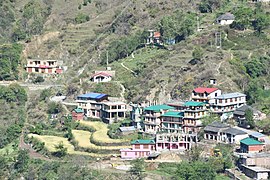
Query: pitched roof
(143,141)
(78,110)
(157,108)
(204,89)
(250,141)
(234,131)
(92,95)
(216,126)
(257,135)
(194,103)
(230,95)
(102,74)
(242,110)
(226,16)
(173,114)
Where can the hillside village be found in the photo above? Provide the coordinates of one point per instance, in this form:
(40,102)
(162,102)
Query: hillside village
(114,89)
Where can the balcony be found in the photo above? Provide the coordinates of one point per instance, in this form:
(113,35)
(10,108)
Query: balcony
(151,122)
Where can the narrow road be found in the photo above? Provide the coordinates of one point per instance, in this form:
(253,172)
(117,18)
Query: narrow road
(31,86)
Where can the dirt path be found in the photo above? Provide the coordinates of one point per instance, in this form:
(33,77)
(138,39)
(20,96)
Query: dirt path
(122,93)
(122,64)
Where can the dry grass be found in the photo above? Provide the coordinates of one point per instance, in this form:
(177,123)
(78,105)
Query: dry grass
(52,141)
(100,135)
(83,139)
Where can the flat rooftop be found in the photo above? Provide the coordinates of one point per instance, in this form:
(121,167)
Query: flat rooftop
(257,168)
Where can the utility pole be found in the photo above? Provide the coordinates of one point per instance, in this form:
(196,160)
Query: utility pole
(218,40)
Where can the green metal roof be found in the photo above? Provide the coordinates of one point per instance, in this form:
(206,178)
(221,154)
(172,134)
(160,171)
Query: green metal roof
(194,103)
(78,110)
(143,141)
(173,114)
(250,141)
(157,108)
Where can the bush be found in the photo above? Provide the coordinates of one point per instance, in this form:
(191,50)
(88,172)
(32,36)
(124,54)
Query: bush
(81,18)
(39,79)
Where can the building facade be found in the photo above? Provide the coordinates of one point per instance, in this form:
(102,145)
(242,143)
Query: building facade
(140,149)
(152,117)
(113,111)
(43,66)
(172,122)
(227,102)
(193,113)
(250,145)
(204,94)
(77,114)
(101,77)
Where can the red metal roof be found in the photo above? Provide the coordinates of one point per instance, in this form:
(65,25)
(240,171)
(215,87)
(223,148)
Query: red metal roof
(157,34)
(102,74)
(204,89)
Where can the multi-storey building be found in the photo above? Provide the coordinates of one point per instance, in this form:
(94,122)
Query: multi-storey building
(152,117)
(172,122)
(192,114)
(43,66)
(113,111)
(203,94)
(175,141)
(91,103)
(227,102)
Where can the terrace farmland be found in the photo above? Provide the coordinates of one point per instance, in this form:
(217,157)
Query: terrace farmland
(83,139)
(52,141)
(100,136)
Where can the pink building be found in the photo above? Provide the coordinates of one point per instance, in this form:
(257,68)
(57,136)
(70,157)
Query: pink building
(141,148)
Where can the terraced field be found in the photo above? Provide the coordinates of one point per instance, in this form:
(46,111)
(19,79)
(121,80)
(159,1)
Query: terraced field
(100,135)
(83,139)
(52,141)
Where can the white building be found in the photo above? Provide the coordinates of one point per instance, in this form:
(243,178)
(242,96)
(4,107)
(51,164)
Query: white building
(101,77)
(204,94)
(227,102)
(113,111)
(225,19)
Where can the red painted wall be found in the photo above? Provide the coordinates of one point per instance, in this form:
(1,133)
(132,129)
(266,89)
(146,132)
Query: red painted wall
(255,148)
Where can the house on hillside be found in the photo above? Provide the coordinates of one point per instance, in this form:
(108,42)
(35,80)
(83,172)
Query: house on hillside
(77,114)
(43,66)
(193,113)
(113,111)
(91,104)
(250,145)
(220,132)
(141,148)
(101,77)
(172,122)
(214,131)
(204,94)
(152,117)
(175,141)
(225,19)
(227,102)
(154,37)
(240,115)
(255,172)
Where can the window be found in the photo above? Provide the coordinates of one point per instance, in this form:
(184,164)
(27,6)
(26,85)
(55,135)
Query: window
(119,106)
(203,113)
(231,100)
(215,94)
(225,100)
(135,153)
(145,146)
(31,62)
(235,99)
(137,146)
(220,101)
(125,153)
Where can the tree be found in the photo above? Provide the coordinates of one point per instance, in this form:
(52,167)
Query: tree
(249,118)
(39,79)
(137,168)
(197,53)
(46,93)
(22,162)
(243,18)
(261,22)
(195,153)
(54,108)
(61,150)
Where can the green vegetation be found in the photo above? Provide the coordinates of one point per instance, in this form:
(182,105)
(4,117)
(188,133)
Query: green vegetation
(9,61)
(249,118)
(137,168)
(81,18)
